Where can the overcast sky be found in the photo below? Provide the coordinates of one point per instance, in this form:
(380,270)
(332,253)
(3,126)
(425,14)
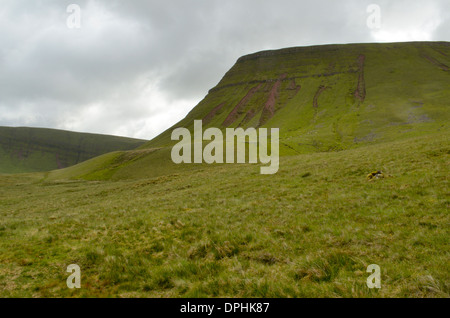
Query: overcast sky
(136,67)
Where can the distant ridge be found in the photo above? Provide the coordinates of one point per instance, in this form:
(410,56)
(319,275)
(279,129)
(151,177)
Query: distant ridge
(24,149)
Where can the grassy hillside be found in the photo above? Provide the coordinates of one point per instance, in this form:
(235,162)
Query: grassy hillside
(332,97)
(310,230)
(36,149)
(140,226)
(323,98)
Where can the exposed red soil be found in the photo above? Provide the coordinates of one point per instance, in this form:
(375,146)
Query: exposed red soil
(326,74)
(234,114)
(269,107)
(316,96)
(442,66)
(58,163)
(360,92)
(249,116)
(212,113)
(294,87)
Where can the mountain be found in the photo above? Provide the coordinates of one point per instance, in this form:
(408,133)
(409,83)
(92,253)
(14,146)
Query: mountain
(24,149)
(322,98)
(313,229)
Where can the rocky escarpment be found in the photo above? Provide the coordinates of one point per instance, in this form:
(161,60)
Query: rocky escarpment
(326,97)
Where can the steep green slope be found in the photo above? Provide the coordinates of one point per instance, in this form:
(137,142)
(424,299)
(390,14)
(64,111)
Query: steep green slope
(323,98)
(36,149)
(332,97)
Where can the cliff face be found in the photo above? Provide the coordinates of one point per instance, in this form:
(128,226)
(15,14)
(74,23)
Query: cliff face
(331,97)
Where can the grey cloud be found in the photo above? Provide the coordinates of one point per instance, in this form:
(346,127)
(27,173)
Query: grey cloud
(135,67)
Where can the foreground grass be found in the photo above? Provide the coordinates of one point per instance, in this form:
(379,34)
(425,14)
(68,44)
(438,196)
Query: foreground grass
(309,231)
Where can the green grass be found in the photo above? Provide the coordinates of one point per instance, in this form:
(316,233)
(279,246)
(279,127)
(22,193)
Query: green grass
(406,96)
(310,230)
(140,226)
(25,149)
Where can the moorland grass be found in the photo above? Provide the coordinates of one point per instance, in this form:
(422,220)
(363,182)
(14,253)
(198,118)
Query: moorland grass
(310,230)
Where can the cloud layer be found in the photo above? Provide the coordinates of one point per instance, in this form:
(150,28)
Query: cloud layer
(136,67)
